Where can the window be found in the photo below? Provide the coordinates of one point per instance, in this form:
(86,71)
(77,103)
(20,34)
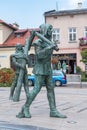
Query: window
(85,33)
(56,35)
(72,34)
(19,35)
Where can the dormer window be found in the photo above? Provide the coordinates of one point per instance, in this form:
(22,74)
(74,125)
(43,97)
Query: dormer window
(20,33)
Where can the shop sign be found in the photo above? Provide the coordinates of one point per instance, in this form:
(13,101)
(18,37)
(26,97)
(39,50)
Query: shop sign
(3,56)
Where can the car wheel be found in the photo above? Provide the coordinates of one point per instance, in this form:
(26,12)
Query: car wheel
(30,82)
(58,83)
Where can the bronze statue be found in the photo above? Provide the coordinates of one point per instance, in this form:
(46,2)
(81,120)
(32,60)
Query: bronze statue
(43,72)
(20,59)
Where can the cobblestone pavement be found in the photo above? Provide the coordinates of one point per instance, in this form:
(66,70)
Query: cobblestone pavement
(71,101)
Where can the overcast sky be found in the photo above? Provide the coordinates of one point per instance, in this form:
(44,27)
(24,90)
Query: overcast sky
(29,13)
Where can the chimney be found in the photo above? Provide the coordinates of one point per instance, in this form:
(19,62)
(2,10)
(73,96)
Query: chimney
(79,5)
(15,25)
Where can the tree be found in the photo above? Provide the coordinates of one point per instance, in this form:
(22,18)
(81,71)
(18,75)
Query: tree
(84,56)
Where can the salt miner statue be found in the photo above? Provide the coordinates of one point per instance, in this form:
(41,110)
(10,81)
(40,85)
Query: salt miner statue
(43,72)
(20,59)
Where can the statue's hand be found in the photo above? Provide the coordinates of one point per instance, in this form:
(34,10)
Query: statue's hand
(56,45)
(56,48)
(49,47)
(33,32)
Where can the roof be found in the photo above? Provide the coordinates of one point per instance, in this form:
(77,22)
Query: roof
(65,12)
(18,36)
(21,31)
(9,25)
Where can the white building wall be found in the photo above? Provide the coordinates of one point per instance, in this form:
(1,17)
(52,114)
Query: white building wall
(1,36)
(64,23)
(61,22)
(4,33)
(5,54)
(78,21)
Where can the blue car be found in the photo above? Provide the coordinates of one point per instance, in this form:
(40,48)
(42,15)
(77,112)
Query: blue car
(59,78)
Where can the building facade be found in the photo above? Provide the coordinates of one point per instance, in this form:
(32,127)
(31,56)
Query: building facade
(9,37)
(69,32)
(68,27)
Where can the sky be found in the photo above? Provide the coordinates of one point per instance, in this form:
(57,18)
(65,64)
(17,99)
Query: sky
(30,13)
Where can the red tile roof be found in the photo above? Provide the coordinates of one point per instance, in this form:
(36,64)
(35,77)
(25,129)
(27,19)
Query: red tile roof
(21,31)
(18,36)
(9,25)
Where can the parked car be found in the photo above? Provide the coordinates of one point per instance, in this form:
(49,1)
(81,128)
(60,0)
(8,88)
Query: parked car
(31,80)
(59,78)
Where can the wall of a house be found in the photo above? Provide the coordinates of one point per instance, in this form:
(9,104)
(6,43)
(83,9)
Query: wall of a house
(78,21)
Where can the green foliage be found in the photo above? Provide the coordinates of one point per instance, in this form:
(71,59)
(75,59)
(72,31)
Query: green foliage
(84,77)
(6,77)
(84,56)
(78,70)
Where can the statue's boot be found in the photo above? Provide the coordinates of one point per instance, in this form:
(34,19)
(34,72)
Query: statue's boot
(53,111)
(25,109)
(57,114)
(27,113)
(15,99)
(20,115)
(10,98)
(24,113)
(12,89)
(13,86)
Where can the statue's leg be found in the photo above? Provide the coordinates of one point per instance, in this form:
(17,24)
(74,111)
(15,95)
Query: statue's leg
(17,93)
(51,98)
(26,87)
(24,113)
(13,86)
(25,109)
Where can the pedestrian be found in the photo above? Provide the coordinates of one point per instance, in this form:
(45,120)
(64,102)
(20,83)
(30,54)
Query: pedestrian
(64,67)
(59,65)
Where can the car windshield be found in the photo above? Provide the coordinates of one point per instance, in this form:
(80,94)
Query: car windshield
(57,72)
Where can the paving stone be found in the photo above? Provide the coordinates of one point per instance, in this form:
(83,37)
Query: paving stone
(71,101)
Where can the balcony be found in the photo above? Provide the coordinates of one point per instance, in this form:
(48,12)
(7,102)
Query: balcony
(83,43)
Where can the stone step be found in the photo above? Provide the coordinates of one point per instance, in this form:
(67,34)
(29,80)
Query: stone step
(73,78)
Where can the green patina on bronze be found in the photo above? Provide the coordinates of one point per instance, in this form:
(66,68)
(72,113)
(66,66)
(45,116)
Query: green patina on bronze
(20,59)
(43,72)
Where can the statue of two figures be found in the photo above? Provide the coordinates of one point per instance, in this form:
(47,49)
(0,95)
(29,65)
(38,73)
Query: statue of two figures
(42,71)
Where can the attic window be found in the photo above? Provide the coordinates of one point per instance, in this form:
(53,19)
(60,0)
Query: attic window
(19,35)
(71,15)
(55,17)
